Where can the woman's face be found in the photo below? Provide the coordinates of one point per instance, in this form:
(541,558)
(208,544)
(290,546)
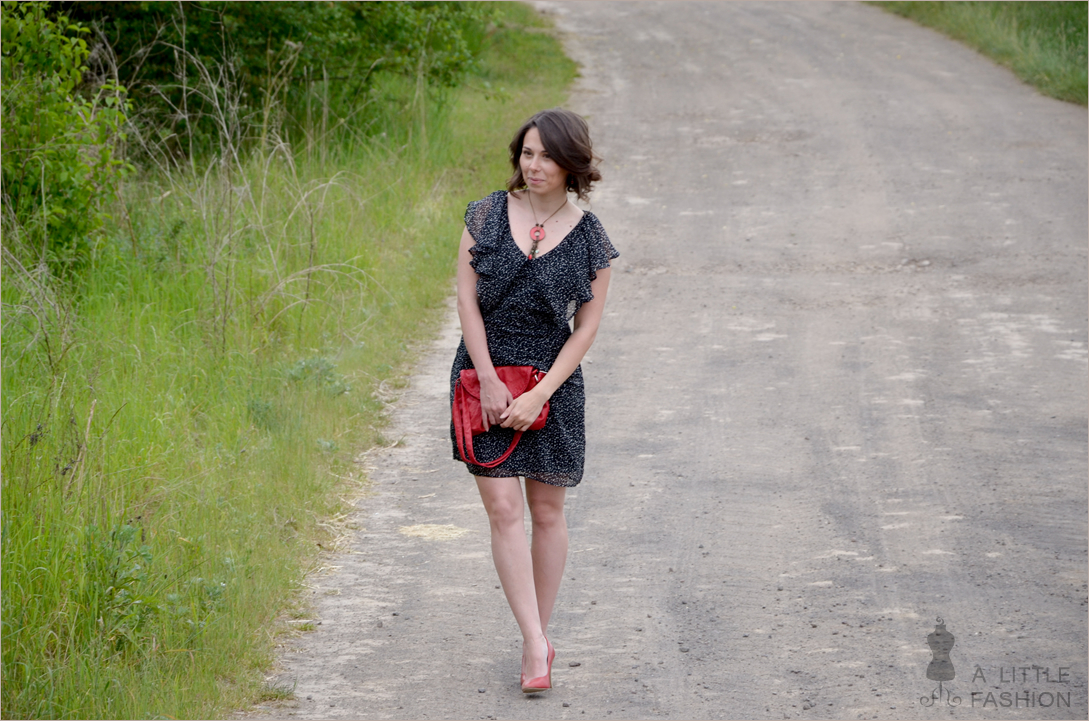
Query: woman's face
(542,175)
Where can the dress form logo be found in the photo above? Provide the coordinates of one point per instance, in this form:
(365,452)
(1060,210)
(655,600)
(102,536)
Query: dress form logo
(1015,686)
(940,668)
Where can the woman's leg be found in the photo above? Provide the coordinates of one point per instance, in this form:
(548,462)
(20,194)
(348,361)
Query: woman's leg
(549,543)
(503,501)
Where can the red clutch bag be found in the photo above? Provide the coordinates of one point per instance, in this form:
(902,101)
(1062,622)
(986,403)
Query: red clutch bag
(468,418)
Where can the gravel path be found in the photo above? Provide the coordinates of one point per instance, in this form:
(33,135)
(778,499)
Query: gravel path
(840,392)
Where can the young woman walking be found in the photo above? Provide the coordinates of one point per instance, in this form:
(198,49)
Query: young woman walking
(530,262)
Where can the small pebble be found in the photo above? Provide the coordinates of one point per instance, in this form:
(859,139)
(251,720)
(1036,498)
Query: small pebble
(638,629)
(565,704)
(396,614)
(480,690)
(309,698)
(498,586)
(379,624)
(684,649)
(573,664)
(593,603)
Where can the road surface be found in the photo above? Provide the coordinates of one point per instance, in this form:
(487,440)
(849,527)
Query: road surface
(839,392)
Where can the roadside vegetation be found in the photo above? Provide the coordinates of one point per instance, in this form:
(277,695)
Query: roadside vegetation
(220,242)
(1044,43)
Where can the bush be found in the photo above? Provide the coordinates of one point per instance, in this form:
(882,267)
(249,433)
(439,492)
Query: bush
(60,164)
(332,51)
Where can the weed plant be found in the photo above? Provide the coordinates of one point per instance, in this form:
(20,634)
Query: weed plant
(182,421)
(1044,43)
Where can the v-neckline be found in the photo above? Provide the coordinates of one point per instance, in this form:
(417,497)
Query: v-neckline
(510,232)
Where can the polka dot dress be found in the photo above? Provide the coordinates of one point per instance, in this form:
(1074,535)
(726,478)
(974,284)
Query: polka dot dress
(526,305)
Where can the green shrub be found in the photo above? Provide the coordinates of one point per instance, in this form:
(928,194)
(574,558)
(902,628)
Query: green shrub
(327,55)
(60,165)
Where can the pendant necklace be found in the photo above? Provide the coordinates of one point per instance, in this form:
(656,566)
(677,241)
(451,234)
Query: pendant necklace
(537,232)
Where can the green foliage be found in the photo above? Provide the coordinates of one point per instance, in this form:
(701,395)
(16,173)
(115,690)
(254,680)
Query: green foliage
(59,160)
(113,583)
(182,417)
(1044,43)
(330,53)
(321,372)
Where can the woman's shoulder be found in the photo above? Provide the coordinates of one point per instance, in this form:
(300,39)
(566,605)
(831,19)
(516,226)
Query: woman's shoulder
(591,225)
(600,247)
(485,212)
(490,201)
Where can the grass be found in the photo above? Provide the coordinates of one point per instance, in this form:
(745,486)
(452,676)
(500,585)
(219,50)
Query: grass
(1044,43)
(181,422)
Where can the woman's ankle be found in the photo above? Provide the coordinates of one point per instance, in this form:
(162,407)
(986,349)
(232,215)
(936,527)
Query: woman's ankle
(534,643)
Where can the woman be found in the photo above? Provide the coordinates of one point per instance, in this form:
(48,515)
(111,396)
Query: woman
(529,262)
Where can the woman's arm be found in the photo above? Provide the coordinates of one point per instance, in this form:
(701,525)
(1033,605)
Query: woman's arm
(524,410)
(495,397)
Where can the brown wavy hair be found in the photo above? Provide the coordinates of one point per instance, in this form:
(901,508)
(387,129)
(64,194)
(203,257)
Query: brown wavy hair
(566,139)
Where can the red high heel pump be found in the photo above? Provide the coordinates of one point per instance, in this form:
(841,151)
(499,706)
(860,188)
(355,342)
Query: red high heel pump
(541,683)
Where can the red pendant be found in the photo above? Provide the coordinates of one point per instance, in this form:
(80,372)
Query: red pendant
(536,233)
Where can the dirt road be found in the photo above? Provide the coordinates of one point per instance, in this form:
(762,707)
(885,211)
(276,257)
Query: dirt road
(840,392)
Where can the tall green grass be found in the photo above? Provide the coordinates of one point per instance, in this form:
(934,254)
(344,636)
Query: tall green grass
(181,422)
(1044,43)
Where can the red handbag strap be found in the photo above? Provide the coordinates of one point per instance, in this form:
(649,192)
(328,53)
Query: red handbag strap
(464,433)
(497,461)
(459,423)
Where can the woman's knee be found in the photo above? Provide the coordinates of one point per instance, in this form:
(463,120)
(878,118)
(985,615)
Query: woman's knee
(503,512)
(547,518)
(503,502)
(546,511)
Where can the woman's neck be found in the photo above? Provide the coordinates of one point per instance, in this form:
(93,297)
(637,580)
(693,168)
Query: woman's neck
(547,203)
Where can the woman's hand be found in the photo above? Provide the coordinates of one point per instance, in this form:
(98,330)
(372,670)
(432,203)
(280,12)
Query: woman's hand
(524,410)
(495,398)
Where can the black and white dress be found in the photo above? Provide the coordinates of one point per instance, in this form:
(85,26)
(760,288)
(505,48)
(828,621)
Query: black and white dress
(526,305)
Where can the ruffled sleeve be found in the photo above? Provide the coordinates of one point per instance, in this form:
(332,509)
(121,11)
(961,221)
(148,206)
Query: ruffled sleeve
(486,221)
(482,222)
(599,251)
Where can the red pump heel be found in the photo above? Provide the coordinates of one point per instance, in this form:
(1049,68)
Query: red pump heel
(541,683)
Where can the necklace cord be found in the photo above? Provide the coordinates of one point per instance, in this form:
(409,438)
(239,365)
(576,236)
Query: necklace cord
(537,233)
